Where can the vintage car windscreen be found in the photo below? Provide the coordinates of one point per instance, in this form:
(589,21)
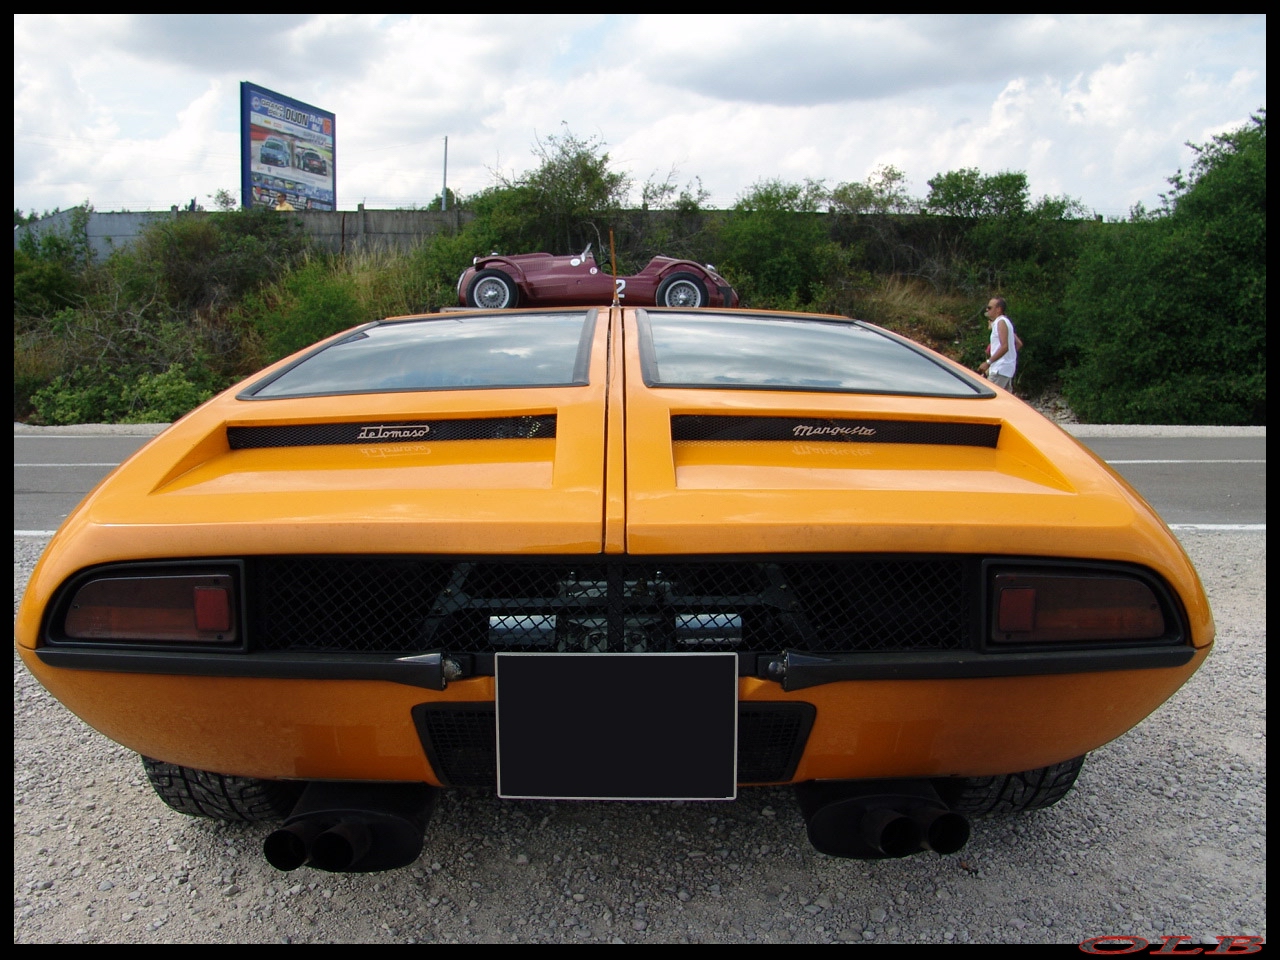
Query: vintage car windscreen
(447,352)
(707,349)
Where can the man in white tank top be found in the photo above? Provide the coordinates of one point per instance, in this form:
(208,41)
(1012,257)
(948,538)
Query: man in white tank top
(1002,354)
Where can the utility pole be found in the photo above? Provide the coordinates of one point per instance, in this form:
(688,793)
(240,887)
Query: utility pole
(444,189)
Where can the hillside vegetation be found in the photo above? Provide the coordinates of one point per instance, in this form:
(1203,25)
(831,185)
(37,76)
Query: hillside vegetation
(1157,319)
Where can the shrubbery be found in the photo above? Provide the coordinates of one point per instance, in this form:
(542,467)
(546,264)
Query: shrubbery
(1168,313)
(308,304)
(149,331)
(776,247)
(97,397)
(1158,319)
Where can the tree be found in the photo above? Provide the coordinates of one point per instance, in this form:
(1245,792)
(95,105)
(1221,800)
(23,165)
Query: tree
(451,200)
(670,222)
(569,200)
(224,200)
(49,267)
(1169,312)
(776,246)
(884,191)
(971,193)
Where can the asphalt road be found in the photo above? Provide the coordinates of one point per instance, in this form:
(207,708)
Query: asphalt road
(1163,836)
(53,471)
(1203,479)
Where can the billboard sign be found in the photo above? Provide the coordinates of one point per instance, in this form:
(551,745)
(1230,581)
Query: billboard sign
(286,152)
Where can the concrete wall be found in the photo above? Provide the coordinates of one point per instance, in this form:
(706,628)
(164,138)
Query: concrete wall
(107,231)
(352,231)
(339,231)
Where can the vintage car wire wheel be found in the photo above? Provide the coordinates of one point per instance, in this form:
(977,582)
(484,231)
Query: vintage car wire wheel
(1012,793)
(199,793)
(493,290)
(682,290)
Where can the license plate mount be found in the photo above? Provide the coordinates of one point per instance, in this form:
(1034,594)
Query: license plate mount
(617,726)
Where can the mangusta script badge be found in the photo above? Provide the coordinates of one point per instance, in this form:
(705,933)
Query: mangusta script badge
(714,427)
(807,430)
(399,431)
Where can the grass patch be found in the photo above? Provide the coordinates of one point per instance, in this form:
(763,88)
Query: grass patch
(913,308)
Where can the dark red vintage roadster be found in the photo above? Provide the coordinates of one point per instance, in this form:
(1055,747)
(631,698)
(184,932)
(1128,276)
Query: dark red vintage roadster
(540,279)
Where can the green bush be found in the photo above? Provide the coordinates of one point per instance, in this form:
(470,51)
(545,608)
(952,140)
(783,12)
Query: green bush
(96,397)
(571,198)
(309,304)
(1168,313)
(775,246)
(161,397)
(208,261)
(1159,337)
(1160,319)
(41,287)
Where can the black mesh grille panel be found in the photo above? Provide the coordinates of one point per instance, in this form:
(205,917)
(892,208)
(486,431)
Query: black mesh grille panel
(461,741)
(343,604)
(698,427)
(400,431)
(481,606)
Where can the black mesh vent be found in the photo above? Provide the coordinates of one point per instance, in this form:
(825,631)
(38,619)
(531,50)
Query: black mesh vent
(461,741)
(771,739)
(698,427)
(481,606)
(400,431)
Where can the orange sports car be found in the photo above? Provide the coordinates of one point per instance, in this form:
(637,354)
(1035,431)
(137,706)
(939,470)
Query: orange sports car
(612,553)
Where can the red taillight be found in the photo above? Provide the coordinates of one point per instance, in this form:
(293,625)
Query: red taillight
(213,609)
(190,609)
(1017,610)
(1056,608)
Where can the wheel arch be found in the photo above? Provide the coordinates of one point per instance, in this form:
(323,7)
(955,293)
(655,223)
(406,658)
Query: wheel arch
(685,266)
(507,266)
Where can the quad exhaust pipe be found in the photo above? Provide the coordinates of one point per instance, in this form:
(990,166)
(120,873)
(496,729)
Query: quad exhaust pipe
(353,827)
(879,819)
(350,827)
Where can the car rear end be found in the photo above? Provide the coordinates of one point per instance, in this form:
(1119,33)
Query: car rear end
(627,554)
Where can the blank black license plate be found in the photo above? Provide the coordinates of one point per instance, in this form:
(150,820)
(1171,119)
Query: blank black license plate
(617,726)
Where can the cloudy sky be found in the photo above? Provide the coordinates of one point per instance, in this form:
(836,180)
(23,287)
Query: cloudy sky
(140,111)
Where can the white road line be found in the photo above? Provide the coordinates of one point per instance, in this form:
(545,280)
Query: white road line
(33,533)
(83,436)
(1248,527)
(1186,461)
(115,463)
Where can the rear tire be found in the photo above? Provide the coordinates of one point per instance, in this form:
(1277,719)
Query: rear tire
(1011,793)
(682,290)
(199,793)
(493,290)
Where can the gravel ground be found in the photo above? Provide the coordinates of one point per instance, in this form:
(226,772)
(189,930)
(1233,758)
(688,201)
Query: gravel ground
(1165,833)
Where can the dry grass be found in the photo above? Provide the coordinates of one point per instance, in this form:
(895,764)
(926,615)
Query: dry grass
(36,361)
(389,283)
(913,308)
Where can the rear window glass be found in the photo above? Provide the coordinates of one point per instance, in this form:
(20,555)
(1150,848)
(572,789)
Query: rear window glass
(790,353)
(446,352)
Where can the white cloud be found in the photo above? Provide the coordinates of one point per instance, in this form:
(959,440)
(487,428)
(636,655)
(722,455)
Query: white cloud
(141,110)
